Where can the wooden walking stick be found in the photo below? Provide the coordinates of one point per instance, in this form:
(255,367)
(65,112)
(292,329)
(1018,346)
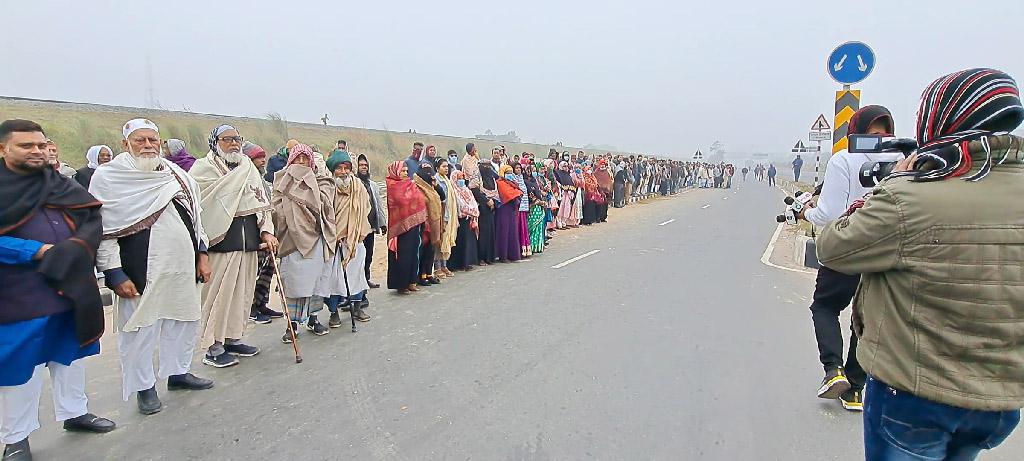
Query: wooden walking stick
(287,313)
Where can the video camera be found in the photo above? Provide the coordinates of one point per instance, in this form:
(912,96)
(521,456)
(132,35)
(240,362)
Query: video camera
(794,205)
(871,173)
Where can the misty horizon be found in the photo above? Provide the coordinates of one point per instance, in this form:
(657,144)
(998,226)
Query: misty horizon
(663,79)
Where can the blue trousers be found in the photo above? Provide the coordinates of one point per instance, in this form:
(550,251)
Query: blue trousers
(899,426)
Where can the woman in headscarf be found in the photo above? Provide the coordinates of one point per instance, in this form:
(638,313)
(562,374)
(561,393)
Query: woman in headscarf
(538,206)
(304,219)
(464,253)
(577,204)
(507,246)
(524,209)
(553,195)
(174,150)
(96,156)
(605,184)
(434,228)
(407,212)
(451,218)
(591,192)
(567,190)
(486,195)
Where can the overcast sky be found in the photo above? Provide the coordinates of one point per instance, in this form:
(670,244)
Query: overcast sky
(656,77)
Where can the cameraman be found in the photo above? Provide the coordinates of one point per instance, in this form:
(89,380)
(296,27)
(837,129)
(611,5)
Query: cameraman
(940,308)
(834,290)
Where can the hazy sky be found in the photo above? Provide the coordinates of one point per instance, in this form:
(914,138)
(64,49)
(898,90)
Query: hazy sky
(659,77)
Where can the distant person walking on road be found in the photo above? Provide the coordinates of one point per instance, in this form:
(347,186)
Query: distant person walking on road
(798,163)
(745,170)
(771,174)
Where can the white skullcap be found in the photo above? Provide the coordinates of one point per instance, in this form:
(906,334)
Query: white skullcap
(138,124)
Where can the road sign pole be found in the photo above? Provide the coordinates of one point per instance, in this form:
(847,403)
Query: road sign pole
(817,163)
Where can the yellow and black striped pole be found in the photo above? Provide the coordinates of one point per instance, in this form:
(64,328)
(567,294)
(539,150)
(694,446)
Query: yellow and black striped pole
(847,103)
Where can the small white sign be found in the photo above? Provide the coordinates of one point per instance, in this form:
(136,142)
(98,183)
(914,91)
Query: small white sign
(820,136)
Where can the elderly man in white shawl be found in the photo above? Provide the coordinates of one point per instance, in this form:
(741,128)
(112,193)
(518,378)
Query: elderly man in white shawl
(237,218)
(150,225)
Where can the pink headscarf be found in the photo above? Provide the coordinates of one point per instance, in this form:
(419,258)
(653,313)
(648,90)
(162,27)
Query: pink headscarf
(301,149)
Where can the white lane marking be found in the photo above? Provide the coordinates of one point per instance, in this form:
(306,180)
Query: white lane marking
(705,206)
(566,263)
(771,247)
(725,198)
(668,222)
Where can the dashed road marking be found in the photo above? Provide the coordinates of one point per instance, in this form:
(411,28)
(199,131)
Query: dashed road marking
(566,263)
(667,222)
(705,206)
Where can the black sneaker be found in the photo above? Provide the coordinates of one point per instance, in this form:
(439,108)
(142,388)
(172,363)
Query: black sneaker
(834,384)
(220,361)
(270,312)
(334,321)
(287,338)
(316,327)
(361,316)
(241,350)
(852,400)
(260,318)
(18,451)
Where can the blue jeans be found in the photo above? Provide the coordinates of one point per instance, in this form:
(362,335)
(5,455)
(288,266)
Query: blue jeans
(899,426)
(336,301)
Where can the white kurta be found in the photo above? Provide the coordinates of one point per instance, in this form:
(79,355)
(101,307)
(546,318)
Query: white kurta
(332,281)
(171,290)
(305,277)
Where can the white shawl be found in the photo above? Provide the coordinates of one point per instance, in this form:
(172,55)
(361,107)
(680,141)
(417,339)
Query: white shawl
(133,199)
(228,194)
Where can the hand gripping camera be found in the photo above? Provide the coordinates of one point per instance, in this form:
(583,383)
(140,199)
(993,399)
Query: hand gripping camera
(794,205)
(873,172)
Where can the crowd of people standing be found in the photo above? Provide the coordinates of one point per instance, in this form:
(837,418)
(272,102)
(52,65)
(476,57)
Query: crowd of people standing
(249,218)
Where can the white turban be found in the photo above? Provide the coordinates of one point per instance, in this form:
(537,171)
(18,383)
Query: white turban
(138,124)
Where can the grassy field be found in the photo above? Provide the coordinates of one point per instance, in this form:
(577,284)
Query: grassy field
(75,127)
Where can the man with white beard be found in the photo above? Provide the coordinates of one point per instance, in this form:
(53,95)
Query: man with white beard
(151,221)
(237,219)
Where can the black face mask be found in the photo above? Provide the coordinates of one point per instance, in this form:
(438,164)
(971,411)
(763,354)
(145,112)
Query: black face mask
(426,173)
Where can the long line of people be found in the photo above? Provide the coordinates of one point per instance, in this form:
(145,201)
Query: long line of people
(190,247)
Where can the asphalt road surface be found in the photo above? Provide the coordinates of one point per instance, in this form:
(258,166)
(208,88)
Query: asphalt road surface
(672,341)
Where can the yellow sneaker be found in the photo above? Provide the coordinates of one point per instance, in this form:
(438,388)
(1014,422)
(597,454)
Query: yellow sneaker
(852,400)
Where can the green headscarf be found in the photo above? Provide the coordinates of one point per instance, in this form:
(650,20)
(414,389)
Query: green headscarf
(337,158)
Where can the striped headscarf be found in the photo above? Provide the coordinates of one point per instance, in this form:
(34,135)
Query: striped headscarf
(961,107)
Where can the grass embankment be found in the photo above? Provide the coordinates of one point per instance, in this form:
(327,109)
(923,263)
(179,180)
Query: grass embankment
(75,127)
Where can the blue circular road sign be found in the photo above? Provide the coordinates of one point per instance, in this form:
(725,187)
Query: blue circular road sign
(851,62)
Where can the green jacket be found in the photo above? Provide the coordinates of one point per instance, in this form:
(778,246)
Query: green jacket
(940,308)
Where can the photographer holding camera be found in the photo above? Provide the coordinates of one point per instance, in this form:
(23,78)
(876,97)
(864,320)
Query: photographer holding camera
(833,290)
(940,246)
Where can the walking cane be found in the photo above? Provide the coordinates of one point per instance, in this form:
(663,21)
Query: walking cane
(287,314)
(348,295)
